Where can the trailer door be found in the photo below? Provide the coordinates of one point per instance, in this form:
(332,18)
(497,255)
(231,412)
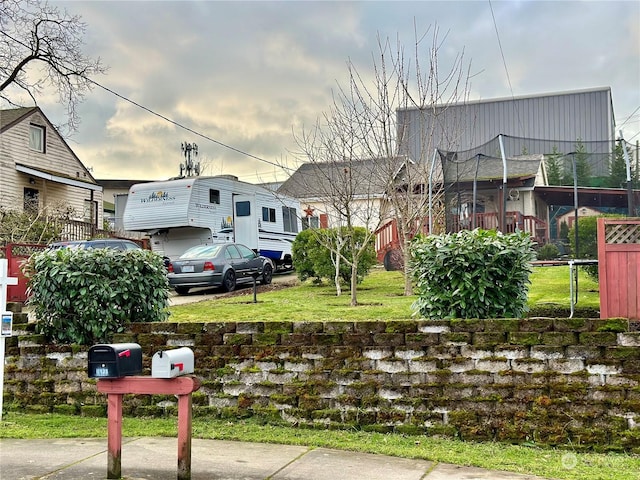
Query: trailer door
(245,221)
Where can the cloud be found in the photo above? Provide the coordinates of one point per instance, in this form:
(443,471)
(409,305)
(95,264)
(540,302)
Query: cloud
(249,74)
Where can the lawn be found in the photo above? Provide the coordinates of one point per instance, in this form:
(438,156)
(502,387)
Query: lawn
(380,297)
(548,463)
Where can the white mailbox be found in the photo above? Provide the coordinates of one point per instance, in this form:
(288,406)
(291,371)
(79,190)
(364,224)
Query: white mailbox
(172,363)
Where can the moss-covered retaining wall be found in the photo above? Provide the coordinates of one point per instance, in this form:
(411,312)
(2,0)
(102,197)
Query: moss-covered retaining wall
(551,381)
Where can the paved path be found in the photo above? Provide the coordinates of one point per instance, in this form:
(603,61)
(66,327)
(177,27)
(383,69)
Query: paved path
(156,459)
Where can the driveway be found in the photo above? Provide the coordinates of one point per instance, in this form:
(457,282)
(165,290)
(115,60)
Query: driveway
(280,280)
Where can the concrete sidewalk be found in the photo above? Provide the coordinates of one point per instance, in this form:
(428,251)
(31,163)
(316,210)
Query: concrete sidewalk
(156,458)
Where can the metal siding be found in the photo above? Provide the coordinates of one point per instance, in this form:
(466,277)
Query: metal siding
(564,117)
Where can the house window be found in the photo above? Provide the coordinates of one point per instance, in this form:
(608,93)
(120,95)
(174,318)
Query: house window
(31,200)
(90,213)
(243,209)
(214,196)
(268,214)
(290,219)
(310,222)
(36,138)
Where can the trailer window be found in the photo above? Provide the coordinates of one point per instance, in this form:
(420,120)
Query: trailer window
(268,214)
(290,219)
(243,209)
(214,196)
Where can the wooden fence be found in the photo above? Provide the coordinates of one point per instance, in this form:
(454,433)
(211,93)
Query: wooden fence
(619,267)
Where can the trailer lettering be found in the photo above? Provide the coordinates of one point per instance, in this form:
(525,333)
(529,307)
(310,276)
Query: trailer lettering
(158,196)
(208,207)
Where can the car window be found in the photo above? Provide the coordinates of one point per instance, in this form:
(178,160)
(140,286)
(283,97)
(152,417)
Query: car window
(95,245)
(131,246)
(246,252)
(200,251)
(232,252)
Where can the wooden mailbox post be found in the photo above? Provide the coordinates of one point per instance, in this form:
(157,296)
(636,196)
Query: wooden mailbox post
(183,387)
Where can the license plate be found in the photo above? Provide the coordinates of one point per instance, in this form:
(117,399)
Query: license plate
(187,269)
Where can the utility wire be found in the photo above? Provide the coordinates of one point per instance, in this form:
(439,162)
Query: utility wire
(504,62)
(633,115)
(629,117)
(184,127)
(167,119)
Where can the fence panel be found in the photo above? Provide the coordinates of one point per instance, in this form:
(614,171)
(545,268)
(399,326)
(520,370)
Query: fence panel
(619,267)
(16,254)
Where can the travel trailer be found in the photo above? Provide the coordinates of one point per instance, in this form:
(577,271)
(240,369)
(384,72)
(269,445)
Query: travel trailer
(181,213)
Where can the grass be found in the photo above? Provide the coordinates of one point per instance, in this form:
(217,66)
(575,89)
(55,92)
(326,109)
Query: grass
(550,286)
(380,297)
(549,463)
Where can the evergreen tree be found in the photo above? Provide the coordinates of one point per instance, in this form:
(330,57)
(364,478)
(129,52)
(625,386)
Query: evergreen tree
(554,167)
(618,169)
(583,168)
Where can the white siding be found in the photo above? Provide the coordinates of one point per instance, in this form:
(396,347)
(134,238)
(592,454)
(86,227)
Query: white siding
(57,159)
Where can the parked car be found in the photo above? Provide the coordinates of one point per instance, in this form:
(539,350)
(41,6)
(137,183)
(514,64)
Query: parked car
(114,243)
(222,265)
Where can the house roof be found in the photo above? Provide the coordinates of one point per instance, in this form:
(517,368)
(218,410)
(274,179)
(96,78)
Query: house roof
(9,117)
(12,116)
(119,184)
(490,168)
(58,177)
(587,196)
(368,177)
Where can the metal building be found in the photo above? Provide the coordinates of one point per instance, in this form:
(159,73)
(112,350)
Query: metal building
(534,124)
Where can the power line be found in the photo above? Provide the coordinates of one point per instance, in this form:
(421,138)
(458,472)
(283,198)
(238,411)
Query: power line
(184,127)
(167,119)
(633,115)
(504,62)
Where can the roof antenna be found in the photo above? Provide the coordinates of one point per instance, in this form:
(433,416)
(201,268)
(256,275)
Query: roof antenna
(189,167)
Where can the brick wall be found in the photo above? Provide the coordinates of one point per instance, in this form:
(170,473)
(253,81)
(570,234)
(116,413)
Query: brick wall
(550,381)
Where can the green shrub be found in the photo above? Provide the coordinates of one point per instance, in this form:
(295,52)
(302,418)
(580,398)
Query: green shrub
(587,242)
(85,296)
(472,274)
(301,251)
(313,258)
(548,251)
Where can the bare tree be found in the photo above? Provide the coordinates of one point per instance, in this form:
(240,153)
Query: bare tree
(366,122)
(40,48)
(342,183)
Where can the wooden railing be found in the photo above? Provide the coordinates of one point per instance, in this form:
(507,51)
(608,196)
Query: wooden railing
(78,230)
(387,236)
(514,221)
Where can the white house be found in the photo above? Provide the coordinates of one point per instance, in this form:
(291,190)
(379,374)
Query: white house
(39,171)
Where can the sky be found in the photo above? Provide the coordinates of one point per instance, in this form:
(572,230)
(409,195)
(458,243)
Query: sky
(252,75)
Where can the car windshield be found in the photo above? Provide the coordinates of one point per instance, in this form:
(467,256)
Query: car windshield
(208,251)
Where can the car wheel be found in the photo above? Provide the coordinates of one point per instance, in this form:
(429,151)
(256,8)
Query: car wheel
(267,274)
(182,290)
(229,281)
